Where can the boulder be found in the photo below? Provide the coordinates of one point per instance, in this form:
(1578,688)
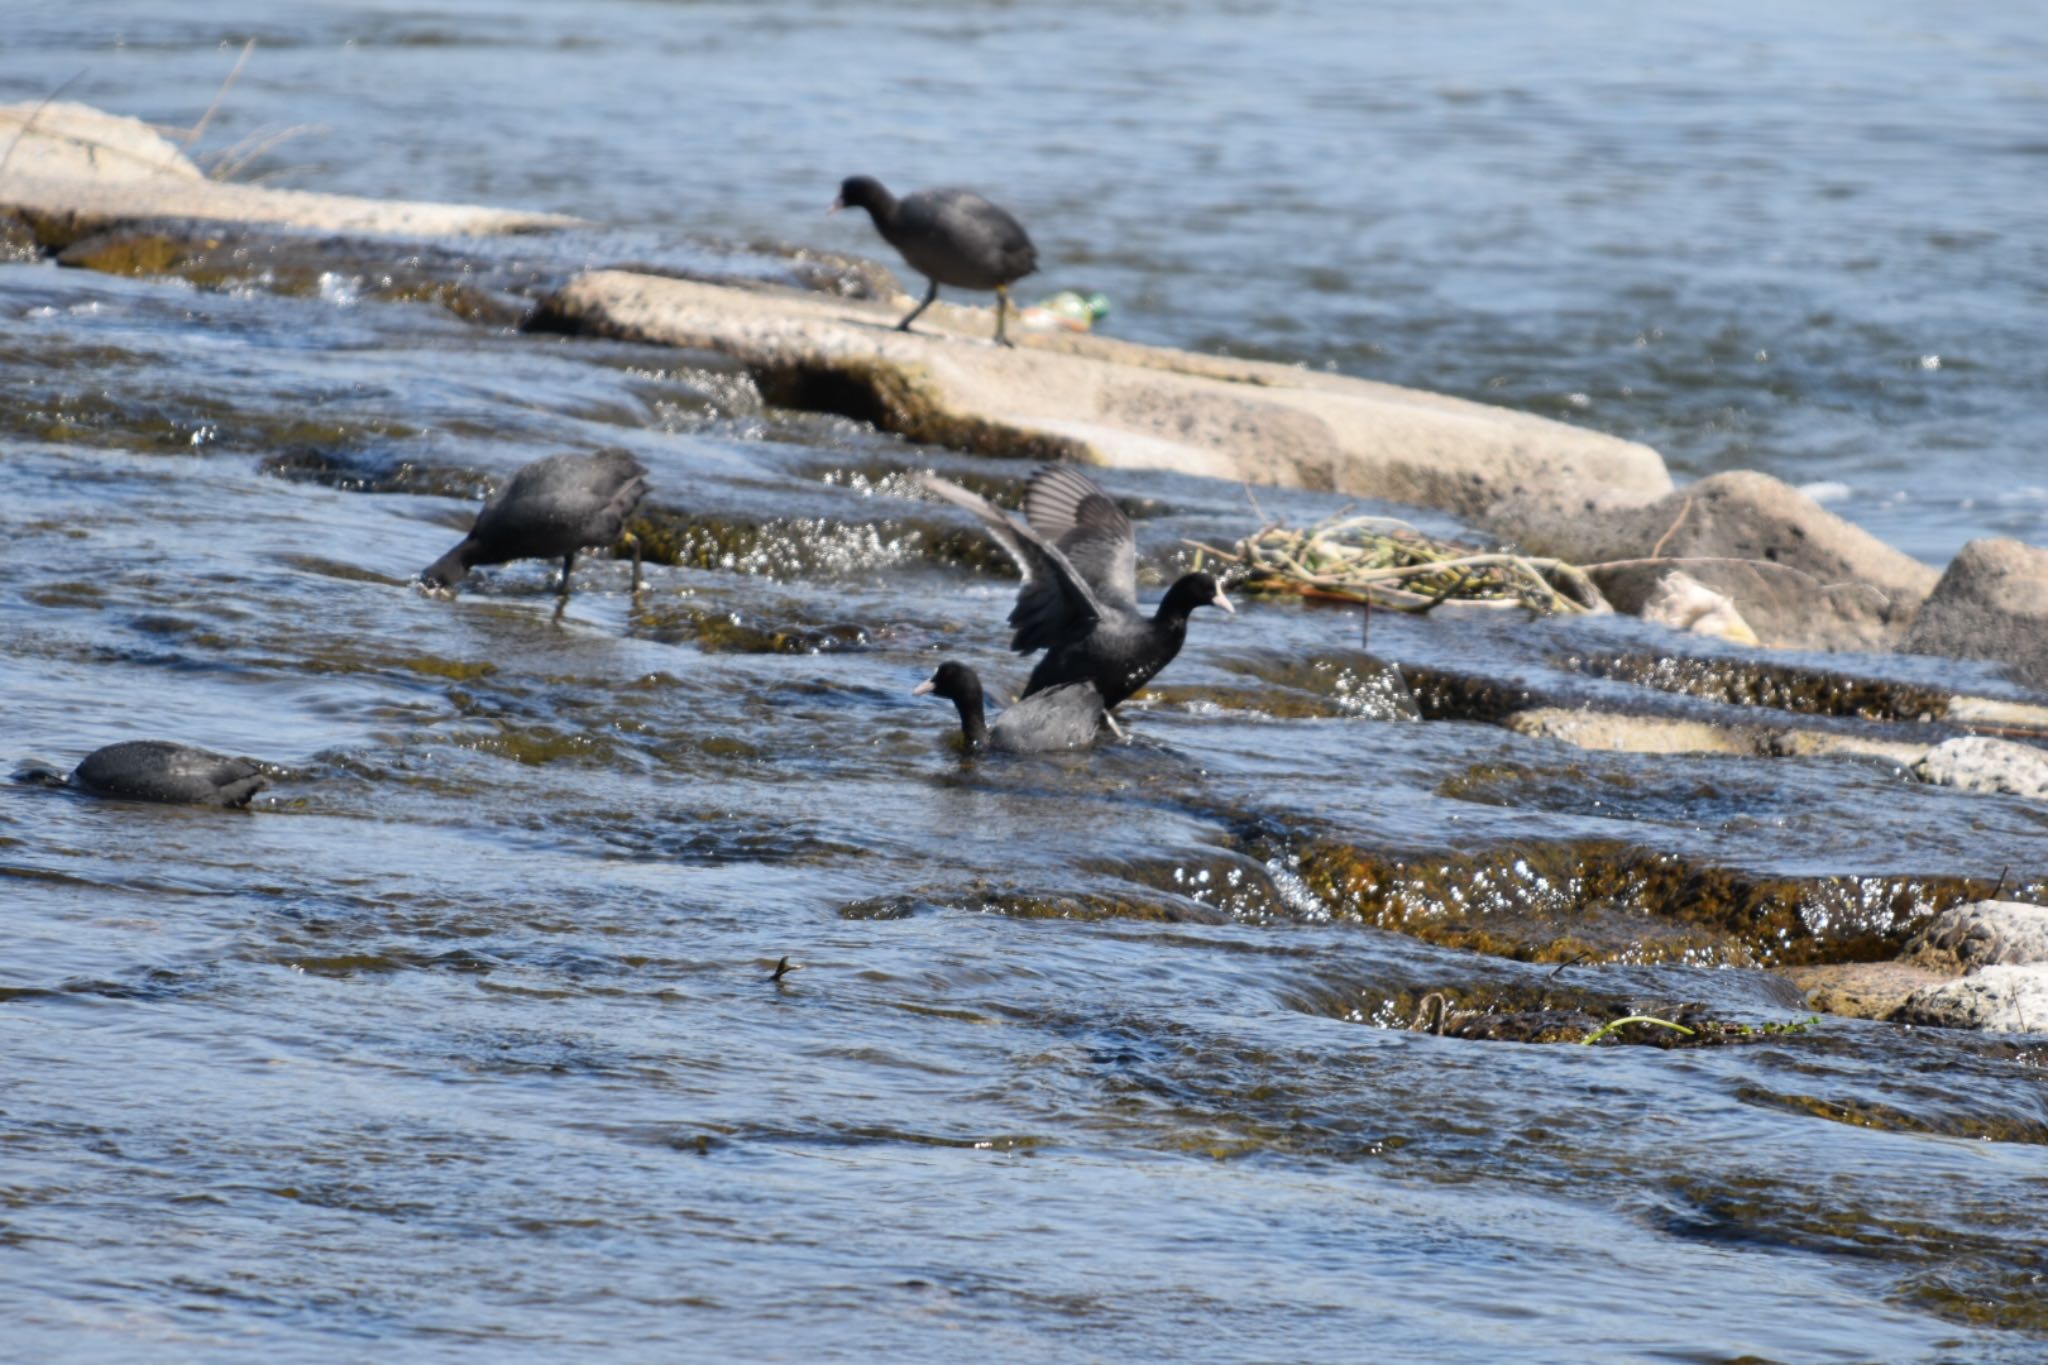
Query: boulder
(1797,573)
(1966,938)
(1992,603)
(1106,402)
(2002,999)
(1978,763)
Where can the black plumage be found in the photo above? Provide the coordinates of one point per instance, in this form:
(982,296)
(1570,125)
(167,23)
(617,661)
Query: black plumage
(1066,717)
(1079,602)
(552,507)
(950,236)
(157,770)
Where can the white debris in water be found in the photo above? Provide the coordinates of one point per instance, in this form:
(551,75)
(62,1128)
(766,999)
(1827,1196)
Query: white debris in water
(339,290)
(1826,490)
(1930,362)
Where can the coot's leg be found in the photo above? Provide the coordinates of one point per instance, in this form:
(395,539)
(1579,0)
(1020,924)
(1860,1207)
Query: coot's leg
(562,602)
(634,541)
(1002,307)
(929,295)
(1114,728)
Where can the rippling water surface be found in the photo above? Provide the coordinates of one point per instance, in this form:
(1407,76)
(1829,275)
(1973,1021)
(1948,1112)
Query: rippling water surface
(464,1035)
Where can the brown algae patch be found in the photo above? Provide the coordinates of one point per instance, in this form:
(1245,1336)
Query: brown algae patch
(1759,683)
(304,267)
(1607,901)
(729,632)
(1542,1012)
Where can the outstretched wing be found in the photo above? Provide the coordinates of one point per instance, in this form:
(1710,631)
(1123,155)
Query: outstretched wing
(1068,509)
(1055,602)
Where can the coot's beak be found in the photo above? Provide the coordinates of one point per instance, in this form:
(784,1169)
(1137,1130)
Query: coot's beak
(926,686)
(838,203)
(1219,600)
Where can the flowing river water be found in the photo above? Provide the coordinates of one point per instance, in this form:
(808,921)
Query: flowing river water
(464,1036)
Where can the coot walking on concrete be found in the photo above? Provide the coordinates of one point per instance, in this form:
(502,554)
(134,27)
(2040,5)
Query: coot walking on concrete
(554,506)
(951,237)
(1079,601)
(1059,718)
(157,770)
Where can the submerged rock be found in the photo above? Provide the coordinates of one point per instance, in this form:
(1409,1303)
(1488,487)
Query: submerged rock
(1992,603)
(1626,733)
(1978,763)
(1097,401)
(1862,990)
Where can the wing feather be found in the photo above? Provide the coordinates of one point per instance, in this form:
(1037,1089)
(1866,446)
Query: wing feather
(1056,602)
(1069,509)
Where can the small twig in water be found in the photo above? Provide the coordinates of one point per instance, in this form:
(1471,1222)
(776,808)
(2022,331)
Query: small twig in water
(1572,961)
(1658,549)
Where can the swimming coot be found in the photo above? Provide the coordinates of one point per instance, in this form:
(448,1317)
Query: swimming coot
(1079,602)
(951,237)
(554,506)
(156,770)
(1058,718)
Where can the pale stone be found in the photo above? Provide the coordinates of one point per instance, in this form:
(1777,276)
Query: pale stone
(1992,603)
(77,141)
(1106,402)
(1982,934)
(1617,732)
(71,170)
(1979,763)
(2003,999)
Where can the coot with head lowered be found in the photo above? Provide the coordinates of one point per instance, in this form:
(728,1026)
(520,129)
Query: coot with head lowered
(1060,718)
(948,236)
(552,507)
(1079,602)
(158,770)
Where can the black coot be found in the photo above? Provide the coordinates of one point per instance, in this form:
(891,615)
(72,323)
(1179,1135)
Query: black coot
(1079,601)
(555,506)
(1059,718)
(156,770)
(951,237)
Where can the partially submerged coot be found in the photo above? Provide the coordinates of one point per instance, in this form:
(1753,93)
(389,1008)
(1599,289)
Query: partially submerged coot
(949,236)
(1079,602)
(1059,718)
(552,507)
(157,770)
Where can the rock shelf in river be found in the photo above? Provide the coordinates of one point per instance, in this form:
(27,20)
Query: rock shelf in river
(1105,402)
(70,170)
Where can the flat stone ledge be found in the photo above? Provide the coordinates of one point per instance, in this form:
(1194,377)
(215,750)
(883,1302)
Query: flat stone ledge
(1099,401)
(63,211)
